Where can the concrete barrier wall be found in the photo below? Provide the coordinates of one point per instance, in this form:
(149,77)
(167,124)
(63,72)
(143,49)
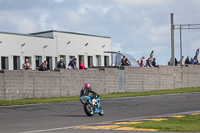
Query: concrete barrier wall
(164,77)
(35,84)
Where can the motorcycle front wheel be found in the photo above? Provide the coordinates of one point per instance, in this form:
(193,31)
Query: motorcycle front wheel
(101,111)
(88,109)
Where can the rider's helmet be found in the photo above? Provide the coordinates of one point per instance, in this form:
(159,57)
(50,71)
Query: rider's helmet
(87,85)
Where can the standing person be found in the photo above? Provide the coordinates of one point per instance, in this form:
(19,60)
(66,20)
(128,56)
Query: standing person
(196,60)
(182,61)
(45,64)
(61,64)
(154,62)
(149,62)
(75,65)
(124,61)
(192,62)
(42,67)
(187,60)
(27,65)
(81,66)
(142,62)
(71,64)
(138,62)
(176,62)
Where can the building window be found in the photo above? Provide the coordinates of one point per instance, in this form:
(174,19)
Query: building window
(49,65)
(98,60)
(38,62)
(4,63)
(106,60)
(90,61)
(56,61)
(16,62)
(81,58)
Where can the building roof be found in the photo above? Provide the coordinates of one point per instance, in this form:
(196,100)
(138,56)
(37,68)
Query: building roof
(68,33)
(19,34)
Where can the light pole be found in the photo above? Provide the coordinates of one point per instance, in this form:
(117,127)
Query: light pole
(56,46)
(172,40)
(22,45)
(44,51)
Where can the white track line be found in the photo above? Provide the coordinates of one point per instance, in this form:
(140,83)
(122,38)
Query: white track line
(62,128)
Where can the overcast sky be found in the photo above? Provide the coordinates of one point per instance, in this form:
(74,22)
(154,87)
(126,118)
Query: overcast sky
(135,26)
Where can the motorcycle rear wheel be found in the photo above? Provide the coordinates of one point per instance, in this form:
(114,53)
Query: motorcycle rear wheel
(88,110)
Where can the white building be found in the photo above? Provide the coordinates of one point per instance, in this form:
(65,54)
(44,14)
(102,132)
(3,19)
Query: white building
(51,46)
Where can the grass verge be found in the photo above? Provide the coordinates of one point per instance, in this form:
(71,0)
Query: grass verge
(105,96)
(184,124)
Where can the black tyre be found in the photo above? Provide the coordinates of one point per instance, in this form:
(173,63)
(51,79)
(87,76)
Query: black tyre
(88,109)
(101,111)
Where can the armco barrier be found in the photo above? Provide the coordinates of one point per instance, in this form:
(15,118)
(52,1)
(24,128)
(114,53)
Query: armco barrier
(35,84)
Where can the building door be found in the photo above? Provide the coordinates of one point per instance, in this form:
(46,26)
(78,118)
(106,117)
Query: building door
(106,60)
(38,62)
(98,60)
(49,65)
(90,61)
(81,58)
(64,59)
(4,63)
(16,62)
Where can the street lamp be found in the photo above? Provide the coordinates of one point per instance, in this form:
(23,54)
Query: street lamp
(23,44)
(86,44)
(0,41)
(68,42)
(103,46)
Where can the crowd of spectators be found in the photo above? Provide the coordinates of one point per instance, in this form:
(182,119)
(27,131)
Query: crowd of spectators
(147,63)
(193,61)
(60,65)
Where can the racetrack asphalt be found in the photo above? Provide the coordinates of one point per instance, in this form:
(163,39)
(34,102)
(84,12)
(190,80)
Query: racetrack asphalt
(55,117)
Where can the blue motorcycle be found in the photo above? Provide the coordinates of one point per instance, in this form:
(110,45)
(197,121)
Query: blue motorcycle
(91,106)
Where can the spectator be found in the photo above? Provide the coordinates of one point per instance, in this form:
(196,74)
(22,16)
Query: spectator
(75,65)
(192,62)
(154,62)
(27,65)
(182,61)
(124,61)
(42,67)
(81,66)
(142,62)
(149,62)
(45,67)
(71,64)
(187,60)
(138,62)
(196,60)
(176,62)
(61,64)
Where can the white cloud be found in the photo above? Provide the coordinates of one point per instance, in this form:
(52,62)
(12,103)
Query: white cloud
(159,33)
(77,19)
(24,25)
(42,20)
(58,1)
(117,47)
(20,23)
(142,2)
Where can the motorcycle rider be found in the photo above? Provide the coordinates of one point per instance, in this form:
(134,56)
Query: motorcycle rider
(87,91)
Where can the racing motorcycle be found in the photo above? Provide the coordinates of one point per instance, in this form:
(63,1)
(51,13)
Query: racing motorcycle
(91,106)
